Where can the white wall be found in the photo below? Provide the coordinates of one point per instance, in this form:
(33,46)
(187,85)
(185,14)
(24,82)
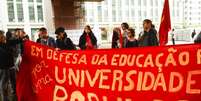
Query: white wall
(49,15)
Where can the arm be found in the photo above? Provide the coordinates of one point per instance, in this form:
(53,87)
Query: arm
(82,43)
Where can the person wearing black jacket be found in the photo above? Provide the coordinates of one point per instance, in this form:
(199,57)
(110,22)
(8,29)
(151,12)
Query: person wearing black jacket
(87,39)
(198,39)
(149,36)
(63,42)
(6,62)
(15,43)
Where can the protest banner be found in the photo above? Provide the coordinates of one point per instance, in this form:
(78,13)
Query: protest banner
(171,73)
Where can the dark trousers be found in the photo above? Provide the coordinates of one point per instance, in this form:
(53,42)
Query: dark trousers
(173,41)
(4,82)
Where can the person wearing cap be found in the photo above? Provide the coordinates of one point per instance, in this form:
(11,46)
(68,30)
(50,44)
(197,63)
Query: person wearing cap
(45,39)
(63,42)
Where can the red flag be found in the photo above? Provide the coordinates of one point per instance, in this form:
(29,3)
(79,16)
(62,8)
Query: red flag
(165,26)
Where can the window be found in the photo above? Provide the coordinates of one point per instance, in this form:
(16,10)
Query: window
(132,2)
(113,3)
(31,13)
(127,2)
(34,31)
(139,2)
(20,14)
(39,1)
(99,13)
(156,12)
(139,13)
(40,13)
(145,3)
(120,15)
(151,12)
(178,13)
(133,13)
(145,14)
(152,3)
(30,0)
(105,15)
(114,15)
(119,3)
(11,12)
(156,2)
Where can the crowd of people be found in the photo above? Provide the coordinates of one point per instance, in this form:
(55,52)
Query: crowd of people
(126,38)
(11,48)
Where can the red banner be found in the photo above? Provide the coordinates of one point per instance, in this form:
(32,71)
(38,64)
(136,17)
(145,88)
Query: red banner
(170,73)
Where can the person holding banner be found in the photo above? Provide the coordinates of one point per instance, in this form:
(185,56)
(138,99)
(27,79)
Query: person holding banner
(63,42)
(148,37)
(131,42)
(45,39)
(87,40)
(15,43)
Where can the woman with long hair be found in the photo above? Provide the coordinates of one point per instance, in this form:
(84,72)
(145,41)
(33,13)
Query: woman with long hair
(87,40)
(116,38)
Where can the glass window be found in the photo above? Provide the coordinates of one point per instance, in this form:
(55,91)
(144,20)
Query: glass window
(34,31)
(91,19)
(30,0)
(40,13)
(99,13)
(139,13)
(39,1)
(133,13)
(31,13)
(11,13)
(145,3)
(139,2)
(105,15)
(127,12)
(132,2)
(120,15)
(151,13)
(20,14)
(156,12)
(119,3)
(152,3)
(114,15)
(156,2)
(177,13)
(127,2)
(145,14)
(113,3)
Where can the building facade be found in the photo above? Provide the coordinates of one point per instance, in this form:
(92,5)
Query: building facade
(29,15)
(185,14)
(114,12)
(192,13)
